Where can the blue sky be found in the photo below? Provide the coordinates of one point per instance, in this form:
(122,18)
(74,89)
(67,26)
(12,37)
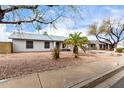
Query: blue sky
(70,22)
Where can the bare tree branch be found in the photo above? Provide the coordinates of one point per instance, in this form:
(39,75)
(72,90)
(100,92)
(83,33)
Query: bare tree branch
(110,32)
(29,21)
(36,17)
(19,7)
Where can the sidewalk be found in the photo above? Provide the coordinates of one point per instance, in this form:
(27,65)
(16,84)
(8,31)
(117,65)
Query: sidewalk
(65,77)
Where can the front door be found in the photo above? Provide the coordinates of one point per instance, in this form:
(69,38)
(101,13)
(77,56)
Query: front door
(57,45)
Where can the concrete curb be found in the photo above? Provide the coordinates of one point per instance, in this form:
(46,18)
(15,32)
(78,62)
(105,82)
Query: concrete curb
(92,82)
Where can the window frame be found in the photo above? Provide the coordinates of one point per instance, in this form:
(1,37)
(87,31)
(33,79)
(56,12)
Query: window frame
(29,45)
(47,44)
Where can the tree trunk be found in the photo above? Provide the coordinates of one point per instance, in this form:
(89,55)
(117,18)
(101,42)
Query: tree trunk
(113,46)
(75,51)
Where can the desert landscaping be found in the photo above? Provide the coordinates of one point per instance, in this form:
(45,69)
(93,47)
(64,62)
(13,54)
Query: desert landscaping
(61,46)
(17,64)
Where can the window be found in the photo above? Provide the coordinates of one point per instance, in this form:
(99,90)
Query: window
(104,46)
(29,44)
(92,45)
(47,45)
(100,46)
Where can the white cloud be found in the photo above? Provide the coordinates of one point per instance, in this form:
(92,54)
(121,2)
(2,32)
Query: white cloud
(65,23)
(3,34)
(66,32)
(63,26)
(115,12)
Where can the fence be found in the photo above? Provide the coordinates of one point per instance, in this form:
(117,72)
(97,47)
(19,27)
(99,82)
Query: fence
(5,47)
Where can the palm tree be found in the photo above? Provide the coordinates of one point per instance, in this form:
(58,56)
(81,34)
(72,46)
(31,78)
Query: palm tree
(76,41)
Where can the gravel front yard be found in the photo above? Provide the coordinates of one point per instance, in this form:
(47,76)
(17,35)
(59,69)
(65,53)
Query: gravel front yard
(17,64)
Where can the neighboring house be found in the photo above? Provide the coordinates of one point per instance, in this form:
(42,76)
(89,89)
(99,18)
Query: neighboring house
(96,45)
(27,42)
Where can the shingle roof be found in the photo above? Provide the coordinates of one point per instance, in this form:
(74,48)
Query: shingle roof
(32,36)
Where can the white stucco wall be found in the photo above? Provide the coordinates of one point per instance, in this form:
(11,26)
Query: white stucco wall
(20,46)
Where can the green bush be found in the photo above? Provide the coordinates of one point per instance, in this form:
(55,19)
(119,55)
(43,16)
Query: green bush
(56,53)
(119,50)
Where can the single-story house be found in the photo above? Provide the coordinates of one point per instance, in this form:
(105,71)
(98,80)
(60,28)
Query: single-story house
(28,42)
(96,45)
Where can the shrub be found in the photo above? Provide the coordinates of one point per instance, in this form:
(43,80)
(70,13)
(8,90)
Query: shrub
(119,50)
(56,53)
(119,54)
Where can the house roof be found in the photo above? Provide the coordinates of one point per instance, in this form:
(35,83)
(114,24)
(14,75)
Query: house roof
(94,42)
(32,36)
